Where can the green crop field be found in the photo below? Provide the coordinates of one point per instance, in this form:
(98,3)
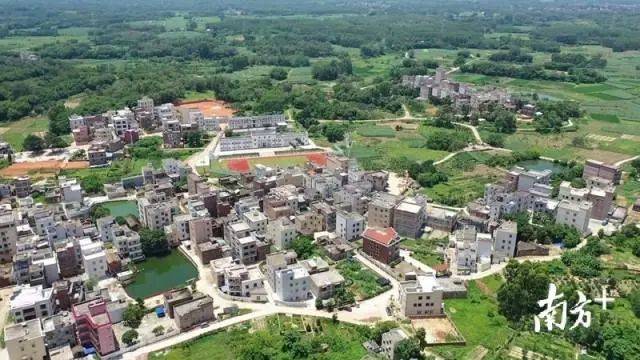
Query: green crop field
(15,132)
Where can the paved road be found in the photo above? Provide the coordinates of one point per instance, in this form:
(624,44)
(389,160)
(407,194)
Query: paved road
(201,158)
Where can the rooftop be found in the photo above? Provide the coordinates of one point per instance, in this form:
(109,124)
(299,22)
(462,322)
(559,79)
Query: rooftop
(29,296)
(382,236)
(25,330)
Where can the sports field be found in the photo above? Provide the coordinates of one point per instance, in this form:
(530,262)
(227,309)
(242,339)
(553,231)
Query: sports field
(209,108)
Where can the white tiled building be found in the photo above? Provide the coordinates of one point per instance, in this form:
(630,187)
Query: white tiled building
(31,302)
(293,284)
(349,226)
(281,233)
(574,213)
(421,297)
(94,258)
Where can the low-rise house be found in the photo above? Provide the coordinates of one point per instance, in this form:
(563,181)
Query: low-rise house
(324,284)
(197,311)
(381,244)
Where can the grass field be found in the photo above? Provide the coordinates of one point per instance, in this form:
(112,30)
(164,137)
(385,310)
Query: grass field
(362,281)
(15,132)
(343,341)
(425,250)
(477,319)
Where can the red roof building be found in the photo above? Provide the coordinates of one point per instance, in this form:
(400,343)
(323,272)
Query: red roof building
(381,244)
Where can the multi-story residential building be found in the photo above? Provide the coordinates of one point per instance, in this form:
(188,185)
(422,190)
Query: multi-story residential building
(213,249)
(236,279)
(575,213)
(308,223)
(22,186)
(505,240)
(390,340)
(601,173)
(421,297)
(256,220)
(325,283)
(25,341)
(59,330)
(127,242)
(381,244)
(200,230)
(349,225)
(197,311)
(104,225)
(67,255)
(76,121)
(97,156)
(122,120)
(281,233)
(409,218)
(600,197)
(327,213)
(155,210)
(94,258)
(278,261)
(71,191)
(293,283)
(381,209)
(8,237)
(281,201)
(31,302)
(245,246)
(94,326)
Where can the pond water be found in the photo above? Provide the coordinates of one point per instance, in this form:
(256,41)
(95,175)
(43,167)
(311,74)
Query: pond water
(540,165)
(122,208)
(158,274)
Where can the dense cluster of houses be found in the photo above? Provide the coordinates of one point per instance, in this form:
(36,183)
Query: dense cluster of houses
(243,227)
(440,87)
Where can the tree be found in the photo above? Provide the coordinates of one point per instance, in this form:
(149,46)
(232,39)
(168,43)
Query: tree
(334,132)
(92,184)
(421,337)
(495,140)
(154,242)
(503,120)
(525,284)
(634,299)
(129,337)
(33,143)
(407,349)
(278,73)
(133,314)
(120,220)
(158,330)
(54,141)
(194,139)
(303,246)
(319,304)
(98,211)
(59,120)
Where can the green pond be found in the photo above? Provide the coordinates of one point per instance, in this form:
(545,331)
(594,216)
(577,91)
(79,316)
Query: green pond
(158,274)
(122,208)
(540,165)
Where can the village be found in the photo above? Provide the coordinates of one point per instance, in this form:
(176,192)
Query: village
(324,239)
